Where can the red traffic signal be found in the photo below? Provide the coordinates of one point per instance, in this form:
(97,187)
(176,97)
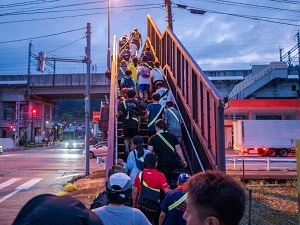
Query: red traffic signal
(34,112)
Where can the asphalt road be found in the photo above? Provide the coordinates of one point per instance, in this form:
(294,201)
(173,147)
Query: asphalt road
(25,174)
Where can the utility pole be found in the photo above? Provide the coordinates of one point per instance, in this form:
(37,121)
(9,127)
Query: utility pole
(29,62)
(16,122)
(87,100)
(298,44)
(169,14)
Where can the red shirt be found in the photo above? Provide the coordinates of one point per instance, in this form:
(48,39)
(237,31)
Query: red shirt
(152,178)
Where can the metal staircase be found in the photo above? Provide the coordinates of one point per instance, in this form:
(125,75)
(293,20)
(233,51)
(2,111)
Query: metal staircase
(253,82)
(200,103)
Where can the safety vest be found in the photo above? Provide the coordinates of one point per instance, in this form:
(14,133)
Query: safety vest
(165,141)
(145,184)
(133,117)
(171,111)
(157,115)
(178,202)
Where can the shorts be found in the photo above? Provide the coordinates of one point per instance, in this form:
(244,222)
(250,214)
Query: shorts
(144,87)
(130,132)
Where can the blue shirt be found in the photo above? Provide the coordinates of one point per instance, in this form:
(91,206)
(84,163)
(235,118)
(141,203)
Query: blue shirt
(131,165)
(174,216)
(153,111)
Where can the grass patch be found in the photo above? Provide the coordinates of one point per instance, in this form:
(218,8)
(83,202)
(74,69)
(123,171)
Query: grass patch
(272,203)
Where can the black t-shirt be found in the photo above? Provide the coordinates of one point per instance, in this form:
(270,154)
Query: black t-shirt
(166,157)
(131,111)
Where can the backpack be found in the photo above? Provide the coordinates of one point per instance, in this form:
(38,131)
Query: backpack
(149,199)
(128,82)
(130,112)
(145,72)
(139,164)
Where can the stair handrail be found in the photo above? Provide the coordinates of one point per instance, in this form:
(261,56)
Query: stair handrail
(252,78)
(187,131)
(112,145)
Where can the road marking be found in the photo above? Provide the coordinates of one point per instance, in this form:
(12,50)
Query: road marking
(24,186)
(9,182)
(29,184)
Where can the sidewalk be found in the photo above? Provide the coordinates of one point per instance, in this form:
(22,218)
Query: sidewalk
(88,187)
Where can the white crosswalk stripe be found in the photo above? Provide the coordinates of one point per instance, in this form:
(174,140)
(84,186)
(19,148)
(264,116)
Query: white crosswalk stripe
(9,182)
(24,186)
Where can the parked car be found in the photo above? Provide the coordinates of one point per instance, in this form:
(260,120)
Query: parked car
(71,144)
(99,149)
(1,149)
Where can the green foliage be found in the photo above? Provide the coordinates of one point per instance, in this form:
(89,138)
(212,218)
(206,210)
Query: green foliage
(73,109)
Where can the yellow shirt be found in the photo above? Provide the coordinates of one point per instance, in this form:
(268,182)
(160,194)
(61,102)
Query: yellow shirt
(134,71)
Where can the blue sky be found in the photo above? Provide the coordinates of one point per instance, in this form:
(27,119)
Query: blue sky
(230,35)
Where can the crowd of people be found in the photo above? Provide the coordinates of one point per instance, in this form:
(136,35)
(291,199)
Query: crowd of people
(209,198)
(138,191)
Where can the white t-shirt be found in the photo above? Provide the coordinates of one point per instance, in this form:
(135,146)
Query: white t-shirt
(133,49)
(157,74)
(142,80)
(167,97)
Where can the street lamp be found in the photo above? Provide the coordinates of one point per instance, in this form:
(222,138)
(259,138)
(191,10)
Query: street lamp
(46,129)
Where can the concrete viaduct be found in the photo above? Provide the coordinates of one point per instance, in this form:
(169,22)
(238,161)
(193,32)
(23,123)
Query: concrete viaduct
(19,94)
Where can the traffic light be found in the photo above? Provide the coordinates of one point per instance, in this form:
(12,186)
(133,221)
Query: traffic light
(41,61)
(34,113)
(11,127)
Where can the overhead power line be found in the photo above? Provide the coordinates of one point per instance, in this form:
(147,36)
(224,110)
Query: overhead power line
(258,18)
(49,35)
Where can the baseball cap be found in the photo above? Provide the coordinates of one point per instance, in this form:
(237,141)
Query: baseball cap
(119,182)
(48,209)
(183,177)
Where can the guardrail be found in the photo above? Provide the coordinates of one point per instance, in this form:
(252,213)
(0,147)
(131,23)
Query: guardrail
(268,161)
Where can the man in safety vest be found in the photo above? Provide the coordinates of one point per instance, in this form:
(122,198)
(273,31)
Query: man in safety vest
(154,111)
(174,204)
(167,147)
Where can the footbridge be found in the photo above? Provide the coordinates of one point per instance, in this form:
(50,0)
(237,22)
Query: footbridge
(199,102)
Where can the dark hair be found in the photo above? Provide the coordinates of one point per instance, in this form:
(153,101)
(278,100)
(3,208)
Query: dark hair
(147,48)
(169,104)
(213,192)
(131,93)
(159,84)
(138,141)
(124,91)
(157,64)
(135,61)
(155,96)
(116,169)
(144,59)
(150,160)
(161,124)
(128,72)
(118,197)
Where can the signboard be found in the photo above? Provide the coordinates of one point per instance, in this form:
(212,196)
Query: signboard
(96,117)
